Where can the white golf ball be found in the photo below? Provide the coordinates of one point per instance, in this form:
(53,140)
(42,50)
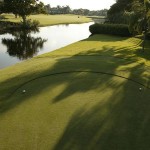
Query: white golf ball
(24,91)
(140,89)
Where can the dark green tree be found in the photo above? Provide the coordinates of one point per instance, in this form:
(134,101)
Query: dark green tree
(139,18)
(1,7)
(116,12)
(23,8)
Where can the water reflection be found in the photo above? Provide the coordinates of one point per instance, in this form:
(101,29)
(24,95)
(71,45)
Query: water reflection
(17,46)
(23,45)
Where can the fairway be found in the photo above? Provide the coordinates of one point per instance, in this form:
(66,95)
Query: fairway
(46,20)
(90,95)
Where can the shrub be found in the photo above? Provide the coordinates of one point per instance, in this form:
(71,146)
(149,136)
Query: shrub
(113,29)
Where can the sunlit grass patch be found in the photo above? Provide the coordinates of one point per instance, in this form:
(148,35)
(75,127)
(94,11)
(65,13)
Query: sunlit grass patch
(92,94)
(46,20)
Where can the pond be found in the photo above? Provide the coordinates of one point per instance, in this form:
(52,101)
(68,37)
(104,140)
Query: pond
(19,46)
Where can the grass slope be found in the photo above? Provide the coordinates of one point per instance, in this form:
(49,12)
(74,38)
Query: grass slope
(80,110)
(50,19)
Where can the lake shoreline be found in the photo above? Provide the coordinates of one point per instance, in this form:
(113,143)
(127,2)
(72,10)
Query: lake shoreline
(49,20)
(56,37)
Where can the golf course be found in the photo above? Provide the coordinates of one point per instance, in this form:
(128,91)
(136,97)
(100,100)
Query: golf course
(45,20)
(91,95)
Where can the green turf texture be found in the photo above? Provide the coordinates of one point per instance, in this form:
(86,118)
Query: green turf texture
(78,111)
(46,20)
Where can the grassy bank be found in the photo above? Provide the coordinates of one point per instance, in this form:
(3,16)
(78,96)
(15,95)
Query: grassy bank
(92,95)
(46,20)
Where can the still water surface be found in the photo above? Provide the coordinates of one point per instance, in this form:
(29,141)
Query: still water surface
(18,46)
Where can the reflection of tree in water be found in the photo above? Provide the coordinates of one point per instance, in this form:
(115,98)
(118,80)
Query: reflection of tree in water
(23,45)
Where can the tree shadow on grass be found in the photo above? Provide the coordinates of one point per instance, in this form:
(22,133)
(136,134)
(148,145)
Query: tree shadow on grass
(103,60)
(119,122)
(119,118)
(146,53)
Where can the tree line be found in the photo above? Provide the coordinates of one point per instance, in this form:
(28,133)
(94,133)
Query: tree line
(67,10)
(135,13)
(24,8)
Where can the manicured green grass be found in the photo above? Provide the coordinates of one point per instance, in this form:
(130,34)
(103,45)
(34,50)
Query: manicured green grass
(81,109)
(51,19)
